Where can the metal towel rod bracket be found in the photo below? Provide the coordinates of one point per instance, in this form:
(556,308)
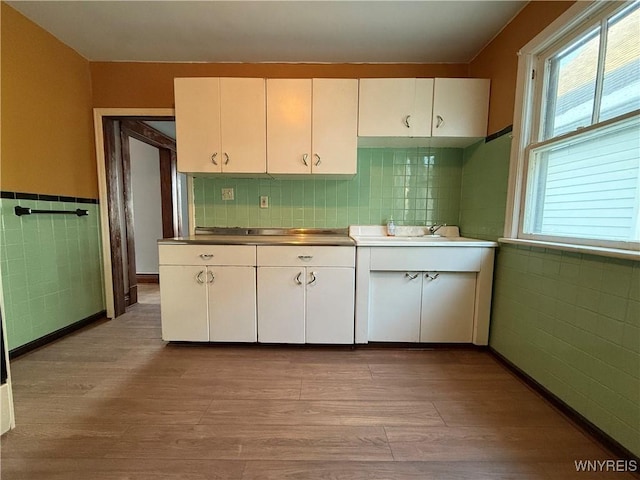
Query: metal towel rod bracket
(28,211)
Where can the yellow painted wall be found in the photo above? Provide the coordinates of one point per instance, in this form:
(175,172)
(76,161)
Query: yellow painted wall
(150,85)
(47,120)
(499,60)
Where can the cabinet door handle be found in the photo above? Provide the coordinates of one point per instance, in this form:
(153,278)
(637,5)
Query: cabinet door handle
(298,278)
(305,258)
(406,121)
(226,156)
(199,277)
(304,159)
(440,121)
(410,276)
(313,278)
(206,256)
(318,157)
(212,277)
(213,158)
(431,277)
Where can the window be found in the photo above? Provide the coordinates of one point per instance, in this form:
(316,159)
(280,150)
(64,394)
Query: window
(579,149)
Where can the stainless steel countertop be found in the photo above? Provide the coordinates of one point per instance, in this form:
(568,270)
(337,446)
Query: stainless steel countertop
(264,236)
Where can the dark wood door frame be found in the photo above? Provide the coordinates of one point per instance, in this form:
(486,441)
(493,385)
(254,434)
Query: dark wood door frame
(117,131)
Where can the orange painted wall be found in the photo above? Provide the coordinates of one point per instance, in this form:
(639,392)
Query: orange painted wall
(47,122)
(150,85)
(499,60)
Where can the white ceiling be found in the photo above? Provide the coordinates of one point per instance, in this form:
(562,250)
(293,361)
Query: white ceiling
(266,31)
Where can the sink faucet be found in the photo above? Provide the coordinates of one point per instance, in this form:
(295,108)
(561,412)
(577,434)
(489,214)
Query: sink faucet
(434,228)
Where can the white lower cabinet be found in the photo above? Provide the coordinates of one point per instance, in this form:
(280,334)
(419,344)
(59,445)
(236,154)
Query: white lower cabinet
(183,304)
(422,306)
(281,305)
(208,293)
(447,307)
(306,294)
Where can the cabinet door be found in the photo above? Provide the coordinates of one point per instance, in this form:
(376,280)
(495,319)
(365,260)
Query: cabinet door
(289,126)
(198,124)
(330,305)
(281,300)
(243,125)
(183,303)
(232,304)
(335,126)
(447,307)
(395,107)
(395,306)
(460,107)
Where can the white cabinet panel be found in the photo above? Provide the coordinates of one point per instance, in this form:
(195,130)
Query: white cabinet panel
(221,125)
(207,255)
(395,107)
(243,125)
(312,126)
(443,259)
(232,304)
(447,307)
(460,107)
(305,256)
(198,124)
(183,294)
(289,126)
(334,126)
(281,305)
(330,305)
(395,306)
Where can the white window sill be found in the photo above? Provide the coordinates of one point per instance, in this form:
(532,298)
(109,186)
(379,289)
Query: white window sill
(605,252)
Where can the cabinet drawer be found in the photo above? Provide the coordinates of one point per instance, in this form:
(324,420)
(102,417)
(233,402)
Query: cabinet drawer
(442,259)
(207,255)
(312,256)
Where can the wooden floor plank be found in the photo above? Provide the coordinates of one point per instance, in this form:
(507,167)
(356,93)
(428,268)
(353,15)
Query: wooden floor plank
(234,442)
(358,413)
(113,401)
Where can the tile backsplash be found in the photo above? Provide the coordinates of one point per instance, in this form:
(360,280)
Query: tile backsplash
(414,185)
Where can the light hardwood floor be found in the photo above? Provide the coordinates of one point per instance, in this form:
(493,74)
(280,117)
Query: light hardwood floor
(115,402)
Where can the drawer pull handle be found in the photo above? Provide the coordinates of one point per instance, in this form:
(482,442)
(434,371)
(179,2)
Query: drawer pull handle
(212,277)
(406,121)
(213,158)
(206,256)
(305,258)
(313,278)
(431,277)
(304,159)
(440,121)
(199,277)
(318,159)
(411,277)
(298,278)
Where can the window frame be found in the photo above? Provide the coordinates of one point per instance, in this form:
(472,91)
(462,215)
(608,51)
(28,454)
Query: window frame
(528,128)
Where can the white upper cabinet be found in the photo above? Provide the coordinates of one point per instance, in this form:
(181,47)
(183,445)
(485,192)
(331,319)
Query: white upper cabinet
(395,107)
(221,125)
(312,126)
(460,107)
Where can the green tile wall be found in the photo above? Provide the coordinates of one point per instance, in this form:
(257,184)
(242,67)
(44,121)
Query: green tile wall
(51,268)
(571,321)
(415,186)
(483,201)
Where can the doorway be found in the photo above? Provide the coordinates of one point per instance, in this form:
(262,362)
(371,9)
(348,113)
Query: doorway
(116,132)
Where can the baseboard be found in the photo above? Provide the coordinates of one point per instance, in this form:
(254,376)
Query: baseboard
(39,342)
(6,415)
(580,421)
(148,278)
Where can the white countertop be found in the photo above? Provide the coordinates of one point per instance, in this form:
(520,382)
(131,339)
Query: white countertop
(413,236)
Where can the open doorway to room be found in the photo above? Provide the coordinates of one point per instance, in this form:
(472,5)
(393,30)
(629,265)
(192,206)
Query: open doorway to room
(144,197)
